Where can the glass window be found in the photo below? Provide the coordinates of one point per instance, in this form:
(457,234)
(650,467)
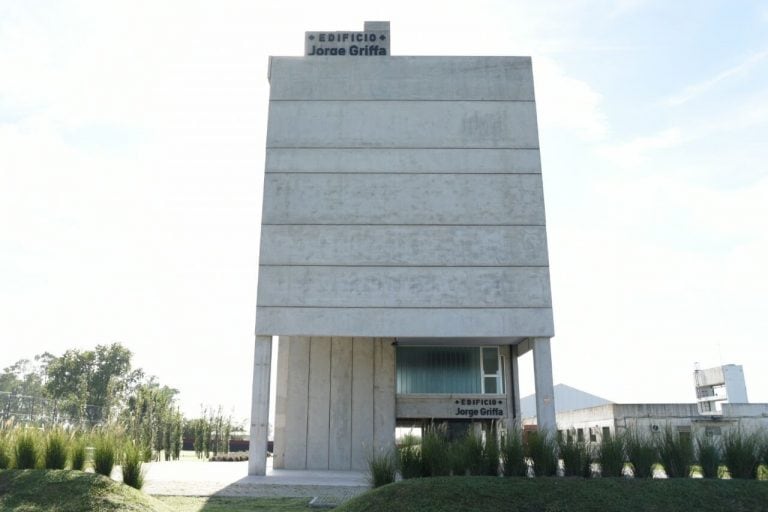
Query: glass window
(445,370)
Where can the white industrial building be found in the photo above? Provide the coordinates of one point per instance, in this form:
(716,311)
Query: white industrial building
(721,404)
(403,260)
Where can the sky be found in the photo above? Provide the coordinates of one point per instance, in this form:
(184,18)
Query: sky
(132,154)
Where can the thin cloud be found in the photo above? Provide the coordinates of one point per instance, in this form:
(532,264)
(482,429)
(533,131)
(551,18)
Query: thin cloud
(695,90)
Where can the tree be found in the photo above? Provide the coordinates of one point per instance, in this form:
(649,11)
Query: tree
(92,383)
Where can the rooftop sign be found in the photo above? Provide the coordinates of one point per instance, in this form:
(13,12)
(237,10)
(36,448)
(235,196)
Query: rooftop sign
(372,41)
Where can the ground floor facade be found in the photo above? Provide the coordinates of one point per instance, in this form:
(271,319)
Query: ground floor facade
(340,399)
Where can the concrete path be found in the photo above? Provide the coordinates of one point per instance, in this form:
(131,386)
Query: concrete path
(200,478)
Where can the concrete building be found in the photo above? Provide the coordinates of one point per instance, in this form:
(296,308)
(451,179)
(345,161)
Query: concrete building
(567,398)
(403,260)
(719,385)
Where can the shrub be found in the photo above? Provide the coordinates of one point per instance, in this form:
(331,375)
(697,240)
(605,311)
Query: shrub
(409,458)
(77,453)
(381,469)
(55,450)
(576,456)
(491,453)
(708,456)
(675,453)
(25,450)
(641,453)
(542,449)
(104,455)
(611,455)
(132,460)
(512,454)
(229,457)
(5,456)
(741,453)
(435,452)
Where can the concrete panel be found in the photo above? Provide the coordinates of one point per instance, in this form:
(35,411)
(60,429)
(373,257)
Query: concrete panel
(404,245)
(362,401)
(406,322)
(281,401)
(384,395)
(402,124)
(460,199)
(319,403)
(358,287)
(340,445)
(297,406)
(262,360)
(367,160)
(402,78)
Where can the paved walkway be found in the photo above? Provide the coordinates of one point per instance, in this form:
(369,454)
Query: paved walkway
(200,478)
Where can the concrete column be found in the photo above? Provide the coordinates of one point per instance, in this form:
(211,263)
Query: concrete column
(262,359)
(513,392)
(545,393)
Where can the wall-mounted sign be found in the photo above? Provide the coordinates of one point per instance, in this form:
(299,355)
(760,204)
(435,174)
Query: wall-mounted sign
(474,407)
(371,42)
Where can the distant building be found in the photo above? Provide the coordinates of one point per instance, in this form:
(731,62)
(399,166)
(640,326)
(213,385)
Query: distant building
(721,405)
(567,398)
(719,385)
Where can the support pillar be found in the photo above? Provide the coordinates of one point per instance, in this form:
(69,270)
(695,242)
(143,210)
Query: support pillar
(545,392)
(515,384)
(262,359)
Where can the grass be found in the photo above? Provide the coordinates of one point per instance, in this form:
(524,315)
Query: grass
(103,455)
(513,454)
(233,504)
(610,455)
(490,494)
(741,453)
(132,461)
(382,468)
(70,491)
(25,450)
(55,450)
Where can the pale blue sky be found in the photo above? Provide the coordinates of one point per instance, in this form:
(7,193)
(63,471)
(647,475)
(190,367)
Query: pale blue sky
(131,161)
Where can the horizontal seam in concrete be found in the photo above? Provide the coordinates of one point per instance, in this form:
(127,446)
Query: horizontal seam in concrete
(400,224)
(366,173)
(393,265)
(392,100)
(400,307)
(490,148)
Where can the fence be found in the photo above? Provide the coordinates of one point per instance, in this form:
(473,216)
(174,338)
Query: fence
(35,410)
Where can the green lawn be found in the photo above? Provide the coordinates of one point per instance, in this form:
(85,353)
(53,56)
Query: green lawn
(34,490)
(489,494)
(222,504)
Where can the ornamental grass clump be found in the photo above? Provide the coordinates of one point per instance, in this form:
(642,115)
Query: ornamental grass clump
(675,453)
(435,452)
(5,455)
(513,454)
(541,448)
(641,453)
(708,456)
(77,454)
(409,457)
(382,468)
(472,455)
(132,461)
(741,453)
(491,453)
(55,450)
(611,455)
(25,452)
(104,454)
(576,457)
